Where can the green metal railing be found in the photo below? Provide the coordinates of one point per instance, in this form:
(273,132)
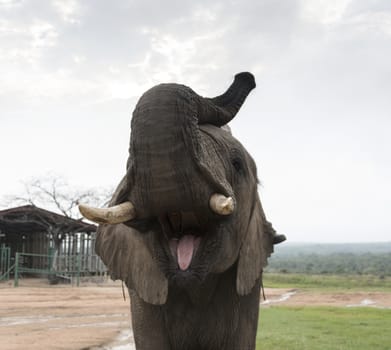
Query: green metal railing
(72,267)
(5,263)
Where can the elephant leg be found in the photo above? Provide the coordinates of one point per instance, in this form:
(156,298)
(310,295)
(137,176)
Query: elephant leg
(148,326)
(248,320)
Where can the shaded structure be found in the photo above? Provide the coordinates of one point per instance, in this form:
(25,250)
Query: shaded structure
(47,240)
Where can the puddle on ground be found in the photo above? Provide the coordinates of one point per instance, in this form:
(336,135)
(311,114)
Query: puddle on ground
(23,320)
(368,302)
(282,298)
(124,341)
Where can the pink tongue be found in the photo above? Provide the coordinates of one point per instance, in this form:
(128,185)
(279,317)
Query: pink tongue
(185,251)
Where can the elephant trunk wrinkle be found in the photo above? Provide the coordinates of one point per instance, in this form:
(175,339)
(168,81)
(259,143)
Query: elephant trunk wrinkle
(167,163)
(164,164)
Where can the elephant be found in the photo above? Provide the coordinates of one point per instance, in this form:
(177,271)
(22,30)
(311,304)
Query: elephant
(185,229)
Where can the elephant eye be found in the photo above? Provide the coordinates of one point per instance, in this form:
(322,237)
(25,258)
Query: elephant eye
(237,164)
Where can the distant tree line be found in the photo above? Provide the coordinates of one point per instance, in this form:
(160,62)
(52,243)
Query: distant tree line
(335,263)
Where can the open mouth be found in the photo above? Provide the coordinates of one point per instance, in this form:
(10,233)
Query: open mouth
(183,249)
(184,234)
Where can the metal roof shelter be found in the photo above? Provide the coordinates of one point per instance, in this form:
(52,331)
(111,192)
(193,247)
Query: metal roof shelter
(29,219)
(36,231)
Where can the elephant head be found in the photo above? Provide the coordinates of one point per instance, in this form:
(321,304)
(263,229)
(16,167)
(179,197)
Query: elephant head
(188,206)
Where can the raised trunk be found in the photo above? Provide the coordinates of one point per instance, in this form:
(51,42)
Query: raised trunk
(163,164)
(170,166)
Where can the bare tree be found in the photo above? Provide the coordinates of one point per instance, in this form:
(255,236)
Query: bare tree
(55,194)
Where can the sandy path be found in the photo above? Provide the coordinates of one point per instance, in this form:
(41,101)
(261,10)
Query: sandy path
(61,317)
(39,316)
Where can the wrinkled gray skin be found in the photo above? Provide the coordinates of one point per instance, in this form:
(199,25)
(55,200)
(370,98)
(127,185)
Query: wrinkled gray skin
(179,156)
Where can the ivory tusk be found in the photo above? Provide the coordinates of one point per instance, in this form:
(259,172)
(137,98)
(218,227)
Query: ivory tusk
(221,204)
(112,215)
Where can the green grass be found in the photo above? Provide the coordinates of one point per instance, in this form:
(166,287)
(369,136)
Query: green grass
(324,328)
(327,282)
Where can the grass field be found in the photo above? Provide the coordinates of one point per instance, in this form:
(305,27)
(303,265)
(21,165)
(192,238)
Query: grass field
(327,282)
(321,327)
(324,328)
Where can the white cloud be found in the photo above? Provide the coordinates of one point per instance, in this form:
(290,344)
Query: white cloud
(324,11)
(123,88)
(43,35)
(25,43)
(7,28)
(78,58)
(69,10)
(204,14)
(7,4)
(375,22)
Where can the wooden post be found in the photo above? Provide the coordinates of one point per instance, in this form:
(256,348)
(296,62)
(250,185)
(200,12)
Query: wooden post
(16,277)
(78,262)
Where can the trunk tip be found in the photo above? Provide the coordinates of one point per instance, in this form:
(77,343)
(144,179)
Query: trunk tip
(246,78)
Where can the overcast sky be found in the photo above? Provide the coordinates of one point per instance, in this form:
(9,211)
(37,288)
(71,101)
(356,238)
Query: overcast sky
(318,123)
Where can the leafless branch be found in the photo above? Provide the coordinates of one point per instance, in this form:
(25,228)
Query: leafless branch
(54,193)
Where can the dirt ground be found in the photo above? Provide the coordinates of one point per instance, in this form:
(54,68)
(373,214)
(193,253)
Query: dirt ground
(38,316)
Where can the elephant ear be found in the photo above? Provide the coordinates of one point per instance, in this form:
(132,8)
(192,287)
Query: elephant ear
(127,257)
(125,252)
(256,248)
